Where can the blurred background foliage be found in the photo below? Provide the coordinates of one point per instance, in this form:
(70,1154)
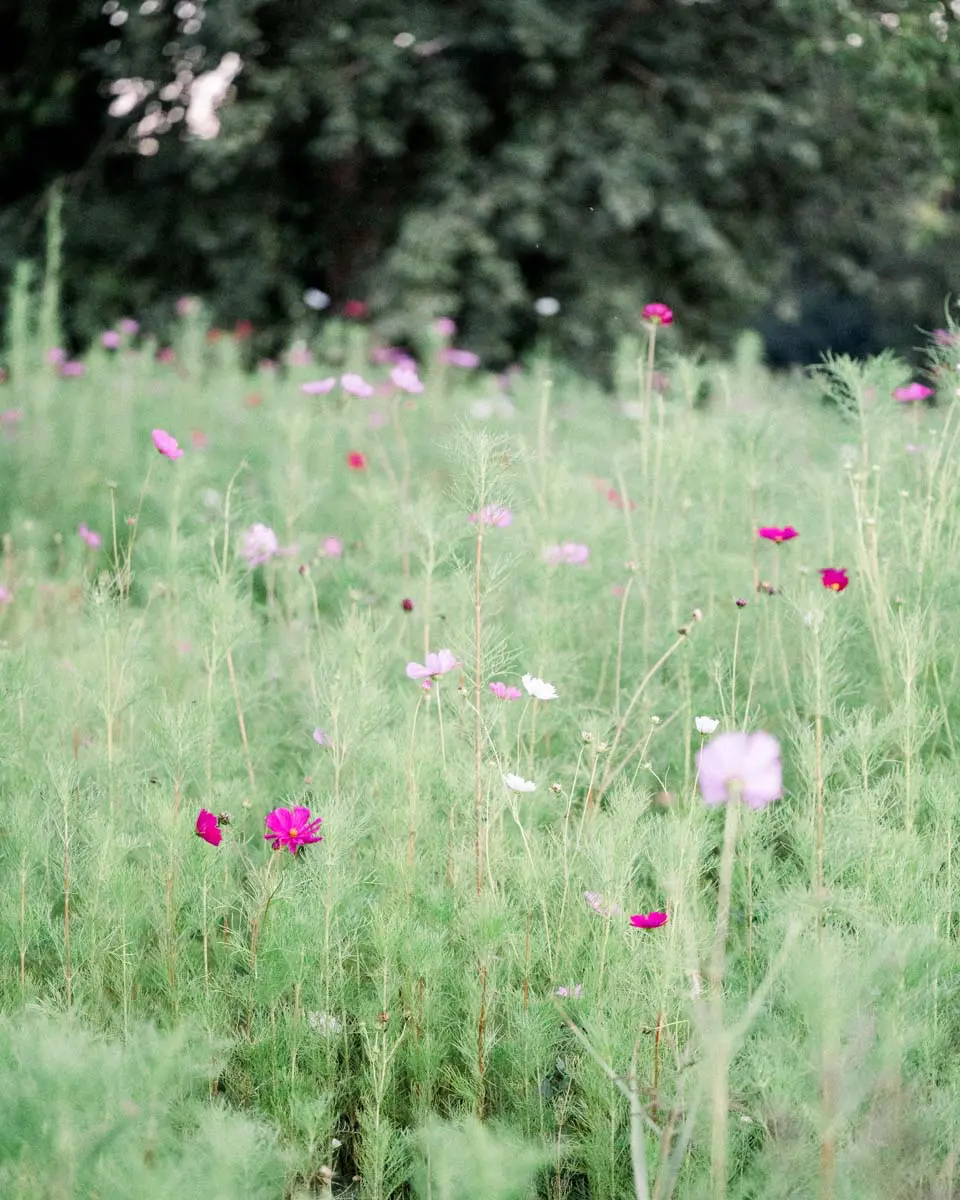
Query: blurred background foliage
(792,165)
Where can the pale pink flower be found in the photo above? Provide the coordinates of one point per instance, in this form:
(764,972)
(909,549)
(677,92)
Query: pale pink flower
(319,387)
(6,596)
(574,993)
(166,444)
(574,554)
(503,692)
(320,737)
(259,545)
(743,766)
(110,340)
(377,420)
(492,514)
(128,326)
(459,358)
(599,905)
(93,539)
(437,664)
(300,356)
(72,370)
(407,379)
(332,547)
(445,326)
(56,356)
(356,385)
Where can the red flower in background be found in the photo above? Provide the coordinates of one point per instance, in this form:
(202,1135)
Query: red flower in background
(356,460)
(356,310)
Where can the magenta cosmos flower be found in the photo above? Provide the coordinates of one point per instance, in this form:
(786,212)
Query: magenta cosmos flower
(651,920)
(772,533)
(291,828)
(658,314)
(436,665)
(357,460)
(503,692)
(166,444)
(208,828)
(913,391)
(834,578)
(744,765)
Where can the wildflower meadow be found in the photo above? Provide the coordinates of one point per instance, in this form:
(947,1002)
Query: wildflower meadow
(424,781)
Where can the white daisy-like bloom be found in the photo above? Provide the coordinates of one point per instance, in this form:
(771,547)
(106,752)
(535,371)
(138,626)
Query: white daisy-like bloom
(538,688)
(705,725)
(517,784)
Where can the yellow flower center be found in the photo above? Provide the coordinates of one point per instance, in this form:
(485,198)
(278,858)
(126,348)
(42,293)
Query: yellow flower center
(292,833)
(834,586)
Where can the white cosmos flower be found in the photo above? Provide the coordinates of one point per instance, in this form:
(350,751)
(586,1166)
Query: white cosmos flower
(705,724)
(517,784)
(538,688)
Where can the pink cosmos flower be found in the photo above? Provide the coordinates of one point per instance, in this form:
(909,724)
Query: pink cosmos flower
(436,665)
(291,828)
(356,385)
(574,993)
(773,533)
(356,460)
(913,391)
(320,737)
(946,337)
(300,356)
(445,326)
(652,920)
(187,306)
(6,596)
(319,387)
(110,340)
(492,514)
(459,358)
(744,765)
(166,354)
(208,827)
(503,692)
(406,379)
(72,370)
(377,420)
(599,905)
(658,314)
(93,540)
(11,416)
(128,326)
(381,355)
(332,547)
(259,545)
(166,444)
(572,553)
(56,356)
(834,578)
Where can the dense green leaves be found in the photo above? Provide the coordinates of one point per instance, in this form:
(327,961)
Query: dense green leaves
(469,161)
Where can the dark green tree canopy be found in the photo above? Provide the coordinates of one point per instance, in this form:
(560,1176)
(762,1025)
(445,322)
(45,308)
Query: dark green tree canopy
(467,158)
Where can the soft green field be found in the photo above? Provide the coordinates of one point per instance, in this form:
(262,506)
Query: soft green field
(188,1020)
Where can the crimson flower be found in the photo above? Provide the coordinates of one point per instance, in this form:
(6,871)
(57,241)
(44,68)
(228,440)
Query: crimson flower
(356,460)
(652,920)
(291,828)
(208,827)
(774,534)
(356,310)
(834,578)
(658,314)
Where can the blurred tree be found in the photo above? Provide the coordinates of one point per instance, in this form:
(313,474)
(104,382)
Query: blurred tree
(470,158)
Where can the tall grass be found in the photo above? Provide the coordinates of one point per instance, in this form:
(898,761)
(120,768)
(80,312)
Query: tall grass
(379,1013)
